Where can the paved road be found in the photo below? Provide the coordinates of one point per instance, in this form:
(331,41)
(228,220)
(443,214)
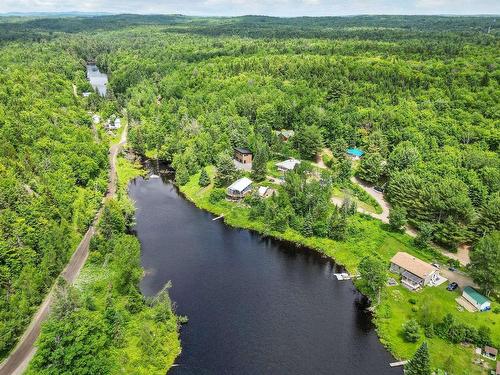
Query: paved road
(17,362)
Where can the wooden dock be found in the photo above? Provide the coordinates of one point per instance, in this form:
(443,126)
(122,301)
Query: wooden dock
(397,364)
(218,217)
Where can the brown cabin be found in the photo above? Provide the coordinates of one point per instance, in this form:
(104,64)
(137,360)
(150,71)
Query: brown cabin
(243,155)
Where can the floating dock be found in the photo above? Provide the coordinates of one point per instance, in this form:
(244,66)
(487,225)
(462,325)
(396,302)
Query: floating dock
(397,364)
(342,276)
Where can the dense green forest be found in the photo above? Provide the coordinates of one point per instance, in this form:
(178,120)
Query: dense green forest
(419,95)
(52,176)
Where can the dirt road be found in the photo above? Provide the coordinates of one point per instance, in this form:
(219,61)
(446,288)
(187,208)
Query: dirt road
(18,360)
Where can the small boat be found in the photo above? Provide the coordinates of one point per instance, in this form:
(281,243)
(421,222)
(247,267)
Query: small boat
(154,176)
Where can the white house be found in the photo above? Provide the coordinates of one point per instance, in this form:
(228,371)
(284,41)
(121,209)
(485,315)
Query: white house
(287,165)
(479,301)
(238,189)
(415,273)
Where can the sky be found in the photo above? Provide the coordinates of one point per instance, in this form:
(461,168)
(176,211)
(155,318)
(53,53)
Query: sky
(284,8)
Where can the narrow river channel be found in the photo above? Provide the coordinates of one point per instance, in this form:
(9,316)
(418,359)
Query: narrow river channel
(255,305)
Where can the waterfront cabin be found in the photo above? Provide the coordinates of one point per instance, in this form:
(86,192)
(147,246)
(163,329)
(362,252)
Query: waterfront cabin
(243,155)
(287,165)
(415,273)
(355,153)
(479,301)
(238,189)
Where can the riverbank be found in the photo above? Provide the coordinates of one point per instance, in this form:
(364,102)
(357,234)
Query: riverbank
(398,304)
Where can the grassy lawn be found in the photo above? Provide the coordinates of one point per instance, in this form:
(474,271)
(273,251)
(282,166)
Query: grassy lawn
(396,309)
(370,236)
(126,172)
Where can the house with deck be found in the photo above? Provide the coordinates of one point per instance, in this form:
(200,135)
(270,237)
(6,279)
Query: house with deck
(238,189)
(415,273)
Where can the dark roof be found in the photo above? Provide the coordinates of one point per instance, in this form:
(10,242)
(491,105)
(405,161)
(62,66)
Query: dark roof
(242,150)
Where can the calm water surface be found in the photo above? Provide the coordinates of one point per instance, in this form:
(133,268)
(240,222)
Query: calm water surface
(255,305)
(97,79)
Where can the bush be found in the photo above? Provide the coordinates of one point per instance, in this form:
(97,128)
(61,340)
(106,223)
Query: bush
(410,331)
(413,301)
(429,331)
(216,195)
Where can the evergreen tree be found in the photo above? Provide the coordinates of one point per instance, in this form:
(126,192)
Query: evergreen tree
(485,258)
(204,179)
(397,218)
(424,235)
(226,171)
(307,227)
(309,142)
(371,168)
(410,331)
(420,363)
(374,272)
(259,164)
(181,175)
(338,226)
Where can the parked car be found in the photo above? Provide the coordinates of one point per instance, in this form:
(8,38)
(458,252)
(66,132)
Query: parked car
(452,286)
(436,265)
(380,189)
(452,269)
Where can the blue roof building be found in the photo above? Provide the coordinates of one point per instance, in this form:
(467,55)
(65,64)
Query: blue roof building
(355,152)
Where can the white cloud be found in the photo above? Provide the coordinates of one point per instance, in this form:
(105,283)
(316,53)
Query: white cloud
(267,7)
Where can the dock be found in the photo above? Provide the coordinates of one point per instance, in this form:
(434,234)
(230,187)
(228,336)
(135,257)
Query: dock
(218,217)
(397,364)
(342,276)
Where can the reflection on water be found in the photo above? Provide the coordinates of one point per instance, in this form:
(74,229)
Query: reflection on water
(97,79)
(256,305)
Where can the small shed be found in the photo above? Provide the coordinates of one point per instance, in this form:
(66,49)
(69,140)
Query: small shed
(490,352)
(287,165)
(243,155)
(479,301)
(238,189)
(96,119)
(355,153)
(285,134)
(265,191)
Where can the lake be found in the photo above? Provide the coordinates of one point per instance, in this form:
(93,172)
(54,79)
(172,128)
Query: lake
(97,79)
(255,305)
